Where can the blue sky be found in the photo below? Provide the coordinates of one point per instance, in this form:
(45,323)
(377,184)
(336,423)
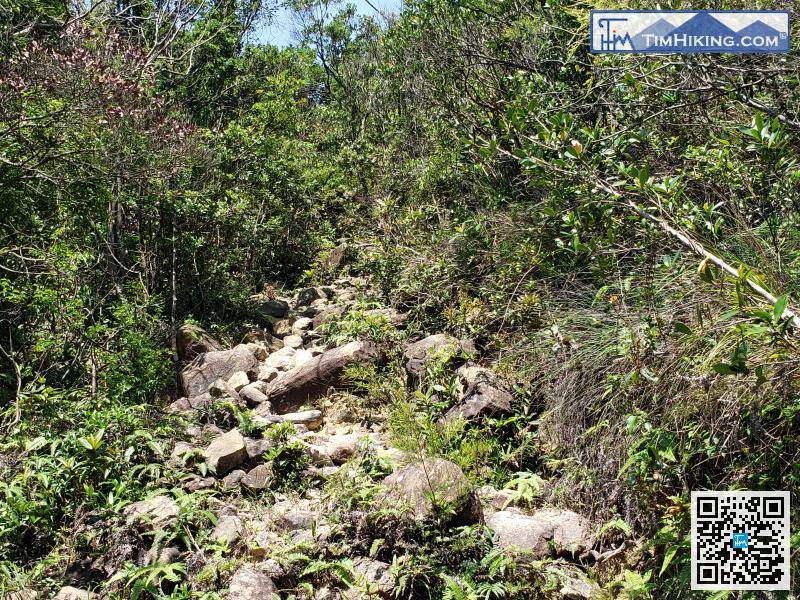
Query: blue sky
(280,31)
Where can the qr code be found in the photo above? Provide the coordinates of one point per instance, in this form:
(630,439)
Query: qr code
(740,540)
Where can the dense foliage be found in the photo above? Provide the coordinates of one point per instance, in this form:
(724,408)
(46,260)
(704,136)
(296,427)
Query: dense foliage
(498,182)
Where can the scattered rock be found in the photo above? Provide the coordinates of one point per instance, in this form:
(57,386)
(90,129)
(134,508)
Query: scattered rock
(226,452)
(258,478)
(563,531)
(328,314)
(282,328)
(302,357)
(418,353)
(269,308)
(266,373)
(374,576)
(312,419)
(482,394)
(157,511)
(302,325)
(291,515)
(232,479)
(192,340)
(228,530)
(253,395)
(308,295)
(433,481)
(391,315)
(72,593)
(293,341)
(257,448)
(238,380)
(206,368)
(282,360)
(313,378)
(250,584)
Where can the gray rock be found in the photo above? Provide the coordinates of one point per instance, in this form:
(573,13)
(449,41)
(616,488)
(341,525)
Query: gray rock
(563,531)
(238,380)
(292,515)
(232,479)
(72,593)
(482,394)
(312,419)
(228,530)
(417,354)
(156,511)
(572,583)
(282,360)
(206,368)
(258,478)
(253,395)
(341,448)
(269,308)
(329,313)
(282,328)
(266,373)
(249,584)
(302,325)
(423,485)
(315,377)
(391,315)
(308,295)
(302,357)
(257,448)
(293,341)
(226,452)
(373,577)
(192,340)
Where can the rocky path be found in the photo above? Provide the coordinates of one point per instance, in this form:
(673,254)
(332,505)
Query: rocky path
(269,483)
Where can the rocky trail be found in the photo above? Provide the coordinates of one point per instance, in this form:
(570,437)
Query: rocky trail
(301,488)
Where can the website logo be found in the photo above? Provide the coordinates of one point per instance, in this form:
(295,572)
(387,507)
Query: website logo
(690,31)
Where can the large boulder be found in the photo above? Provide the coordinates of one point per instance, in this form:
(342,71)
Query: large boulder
(157,512)
(226,452)
(192,340)
(546,530)
(482,394)
(249,584)
(207,368)
(313,378)
(269,308)
(417,354)
(427,485)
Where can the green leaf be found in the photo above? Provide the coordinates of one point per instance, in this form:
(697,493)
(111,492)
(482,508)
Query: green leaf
(683,328)
(780,306)
(724,369)
(668,556)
